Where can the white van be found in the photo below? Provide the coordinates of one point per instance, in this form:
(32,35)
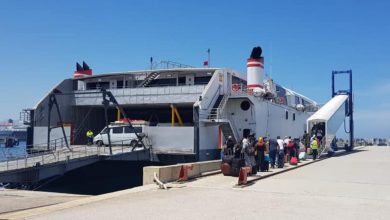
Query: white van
(119,134)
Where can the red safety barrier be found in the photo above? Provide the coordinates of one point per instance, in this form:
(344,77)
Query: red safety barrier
(183,175)
(242,177)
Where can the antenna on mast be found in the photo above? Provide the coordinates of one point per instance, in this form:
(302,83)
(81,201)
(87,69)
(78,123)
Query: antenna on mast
(208,57)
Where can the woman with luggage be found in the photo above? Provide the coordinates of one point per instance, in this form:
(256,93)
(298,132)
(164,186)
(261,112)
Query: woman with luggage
(290,149)
(249,154)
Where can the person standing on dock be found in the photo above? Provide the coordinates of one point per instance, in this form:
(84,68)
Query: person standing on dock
(306,140)
(280,153)
(249,154)
(89,137)
(229,146)
(314,148)
(273,146)
(260,147)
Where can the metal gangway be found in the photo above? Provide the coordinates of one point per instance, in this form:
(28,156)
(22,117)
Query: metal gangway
(332,115)
(40,162)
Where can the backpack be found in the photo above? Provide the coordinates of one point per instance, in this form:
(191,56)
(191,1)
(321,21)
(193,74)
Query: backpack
(250,150)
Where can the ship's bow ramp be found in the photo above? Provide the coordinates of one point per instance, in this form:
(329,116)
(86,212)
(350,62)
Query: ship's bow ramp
(328,120)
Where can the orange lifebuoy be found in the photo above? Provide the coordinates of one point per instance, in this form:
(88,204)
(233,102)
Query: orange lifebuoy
(236,87)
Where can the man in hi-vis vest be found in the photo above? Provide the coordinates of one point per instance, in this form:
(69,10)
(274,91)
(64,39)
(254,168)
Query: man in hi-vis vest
(314,147)
(90,137)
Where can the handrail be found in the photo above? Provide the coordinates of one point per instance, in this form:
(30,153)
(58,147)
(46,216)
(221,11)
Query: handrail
(233,126)
(206,90)
(216,95)
(62,155)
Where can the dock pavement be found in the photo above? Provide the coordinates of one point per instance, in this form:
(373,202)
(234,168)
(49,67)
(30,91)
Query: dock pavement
(347,186)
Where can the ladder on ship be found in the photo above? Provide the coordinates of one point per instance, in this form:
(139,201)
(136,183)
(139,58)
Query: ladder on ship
(148,79)
(217,115)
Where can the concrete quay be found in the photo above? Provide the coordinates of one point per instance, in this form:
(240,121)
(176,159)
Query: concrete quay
(16,200)
(351,186)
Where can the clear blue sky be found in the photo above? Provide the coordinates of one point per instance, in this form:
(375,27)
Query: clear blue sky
(303,41)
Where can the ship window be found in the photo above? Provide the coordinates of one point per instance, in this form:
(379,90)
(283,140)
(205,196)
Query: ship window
(91,85)
(163,82)
(293,116)
(181,81)
(297,101)
(98,85)
(119,84)
(202,80)
(245,105)
(117,130)
(286,115)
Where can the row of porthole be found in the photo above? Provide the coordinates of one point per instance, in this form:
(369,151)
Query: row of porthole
(287,116)
(245,105)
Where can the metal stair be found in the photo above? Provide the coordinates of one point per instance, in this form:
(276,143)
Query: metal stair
(322,149)
(149,79)
(215,110)
(228,131)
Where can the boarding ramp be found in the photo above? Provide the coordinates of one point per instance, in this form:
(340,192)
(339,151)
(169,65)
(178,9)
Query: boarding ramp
(328,119)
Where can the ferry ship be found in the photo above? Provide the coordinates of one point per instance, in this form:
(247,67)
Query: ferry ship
(13,130)
(190,111)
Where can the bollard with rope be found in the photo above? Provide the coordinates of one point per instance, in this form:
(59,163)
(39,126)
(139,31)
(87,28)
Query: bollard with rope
(183,175)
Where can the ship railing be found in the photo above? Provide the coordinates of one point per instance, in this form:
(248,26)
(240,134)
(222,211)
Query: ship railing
(39,156)
(146,91)
(144,95)
(234,129)
(214,114)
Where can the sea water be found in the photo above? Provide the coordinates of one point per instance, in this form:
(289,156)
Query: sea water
(18,151)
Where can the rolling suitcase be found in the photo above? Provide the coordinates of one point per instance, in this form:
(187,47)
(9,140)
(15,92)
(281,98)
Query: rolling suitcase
(226,169)
(294,161)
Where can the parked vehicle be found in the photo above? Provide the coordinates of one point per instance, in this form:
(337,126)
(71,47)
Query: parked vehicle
(120,134)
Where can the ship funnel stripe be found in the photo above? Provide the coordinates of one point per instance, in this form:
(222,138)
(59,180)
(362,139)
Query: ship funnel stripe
(255,86)
(254,65)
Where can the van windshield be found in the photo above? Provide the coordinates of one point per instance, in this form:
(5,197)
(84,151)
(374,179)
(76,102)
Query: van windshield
(104,131)
(133,130)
